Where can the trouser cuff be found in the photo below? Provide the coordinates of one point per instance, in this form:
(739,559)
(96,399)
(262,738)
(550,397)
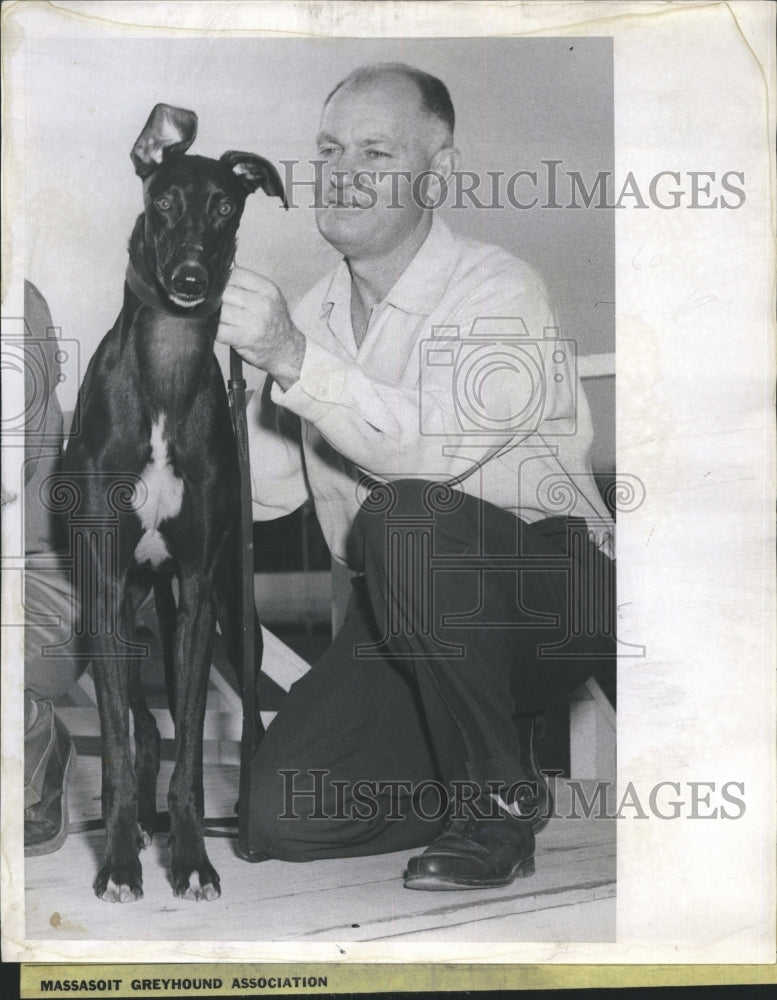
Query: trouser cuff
(39,741)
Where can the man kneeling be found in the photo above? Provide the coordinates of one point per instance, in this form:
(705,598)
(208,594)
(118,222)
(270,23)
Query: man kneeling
(429,460)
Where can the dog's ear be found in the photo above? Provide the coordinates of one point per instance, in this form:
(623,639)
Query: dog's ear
(255,172)
(168,130)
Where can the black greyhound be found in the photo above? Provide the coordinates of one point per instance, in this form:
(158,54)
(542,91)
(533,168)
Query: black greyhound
(154,420)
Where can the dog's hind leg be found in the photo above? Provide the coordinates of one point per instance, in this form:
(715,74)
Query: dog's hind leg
(166,615)
(147,741)
(147,752)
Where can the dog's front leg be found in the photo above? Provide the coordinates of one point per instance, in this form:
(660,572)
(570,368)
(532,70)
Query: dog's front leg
(120,878)
(193,876)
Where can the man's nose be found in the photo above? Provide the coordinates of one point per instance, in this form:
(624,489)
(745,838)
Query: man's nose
(342,171)
(340,179)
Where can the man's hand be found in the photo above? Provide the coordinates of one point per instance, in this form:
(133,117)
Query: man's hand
(255,321)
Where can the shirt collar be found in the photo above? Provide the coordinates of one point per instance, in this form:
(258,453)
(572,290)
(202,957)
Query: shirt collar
(420,286)
(339,289)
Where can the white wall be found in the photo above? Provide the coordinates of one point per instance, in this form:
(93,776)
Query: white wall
(518,101)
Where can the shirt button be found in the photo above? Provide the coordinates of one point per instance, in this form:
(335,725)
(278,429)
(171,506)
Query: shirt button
(323,392)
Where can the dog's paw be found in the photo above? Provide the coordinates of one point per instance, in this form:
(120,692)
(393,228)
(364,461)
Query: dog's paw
(145,837)
(114,885)
(200,883)
(121,893)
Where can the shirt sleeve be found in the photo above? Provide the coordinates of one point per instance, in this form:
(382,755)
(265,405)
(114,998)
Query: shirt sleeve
(499,386)
(278,483)
(376,426)
(41,376)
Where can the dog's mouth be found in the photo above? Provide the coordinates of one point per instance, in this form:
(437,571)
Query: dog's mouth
(175,288)
(188,282)
(185,301)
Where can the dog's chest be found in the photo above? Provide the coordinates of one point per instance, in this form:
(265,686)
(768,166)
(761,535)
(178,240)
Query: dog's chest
(158,497)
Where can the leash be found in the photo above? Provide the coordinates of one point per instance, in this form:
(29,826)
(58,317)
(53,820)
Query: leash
(250,732)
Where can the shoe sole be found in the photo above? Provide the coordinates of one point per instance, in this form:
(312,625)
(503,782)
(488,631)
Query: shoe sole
(436,883)
(54,843)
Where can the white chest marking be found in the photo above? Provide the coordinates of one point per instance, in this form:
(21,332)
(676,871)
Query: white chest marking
(158,497)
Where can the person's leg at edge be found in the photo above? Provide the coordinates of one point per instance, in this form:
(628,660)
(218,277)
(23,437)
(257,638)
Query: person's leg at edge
(49,754)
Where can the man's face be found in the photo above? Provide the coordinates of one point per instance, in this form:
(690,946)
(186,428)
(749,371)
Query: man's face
(377,129)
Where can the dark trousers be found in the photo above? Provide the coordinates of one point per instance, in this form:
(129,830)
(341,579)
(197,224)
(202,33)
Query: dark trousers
(464,618)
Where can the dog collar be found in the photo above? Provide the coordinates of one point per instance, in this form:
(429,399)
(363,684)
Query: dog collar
(150,296)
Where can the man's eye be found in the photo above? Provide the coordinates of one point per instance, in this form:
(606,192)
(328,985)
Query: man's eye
(328,151)
(376,154)
(163,204)
(226,208)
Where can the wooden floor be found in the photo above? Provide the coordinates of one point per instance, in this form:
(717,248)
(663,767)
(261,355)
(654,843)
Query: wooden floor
(570,898)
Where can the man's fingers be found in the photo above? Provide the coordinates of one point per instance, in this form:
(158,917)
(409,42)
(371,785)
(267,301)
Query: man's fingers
(231,315)
(243,277)
(227,335)
(242,298)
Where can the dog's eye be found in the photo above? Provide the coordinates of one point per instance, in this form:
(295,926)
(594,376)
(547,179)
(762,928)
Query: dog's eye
(163,204)
(226,208)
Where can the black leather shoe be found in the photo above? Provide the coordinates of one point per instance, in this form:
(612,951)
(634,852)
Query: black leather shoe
(45,823)
(474,853)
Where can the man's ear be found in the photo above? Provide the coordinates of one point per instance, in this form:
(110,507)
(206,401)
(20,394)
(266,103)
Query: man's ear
(446,161)
(443,164)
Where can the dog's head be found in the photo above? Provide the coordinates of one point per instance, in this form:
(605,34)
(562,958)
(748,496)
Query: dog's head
(193,205)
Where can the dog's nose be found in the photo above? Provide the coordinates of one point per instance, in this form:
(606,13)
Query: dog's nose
(190,279)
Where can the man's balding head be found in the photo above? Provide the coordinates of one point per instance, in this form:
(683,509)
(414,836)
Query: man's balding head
(386,147)
(433,96)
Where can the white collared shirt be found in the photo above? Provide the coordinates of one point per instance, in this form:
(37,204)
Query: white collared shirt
(429,395)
